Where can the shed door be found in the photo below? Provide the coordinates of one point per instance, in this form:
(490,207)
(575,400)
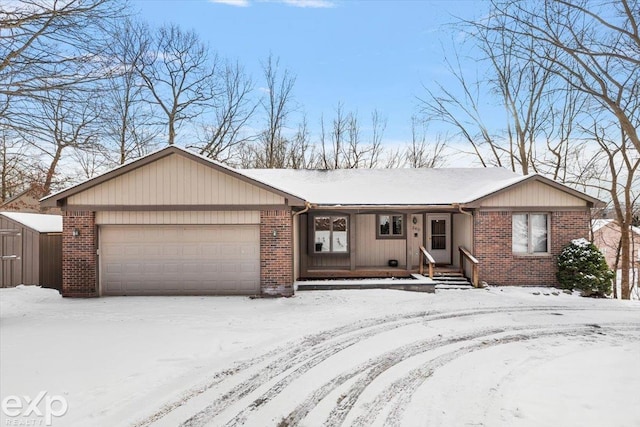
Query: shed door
(179,260)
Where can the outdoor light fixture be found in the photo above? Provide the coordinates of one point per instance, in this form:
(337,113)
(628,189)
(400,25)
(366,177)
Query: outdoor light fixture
(275,233)
(75,232)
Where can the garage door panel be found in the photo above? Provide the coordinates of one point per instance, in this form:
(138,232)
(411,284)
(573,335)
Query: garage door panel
(154,259)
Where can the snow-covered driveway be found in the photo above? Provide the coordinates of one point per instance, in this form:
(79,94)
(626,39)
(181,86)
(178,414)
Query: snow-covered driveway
(496,357)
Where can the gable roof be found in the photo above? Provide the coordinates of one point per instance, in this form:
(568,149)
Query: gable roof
(396,187)
(353,187)
(597,224)
(57,198)
(39,222)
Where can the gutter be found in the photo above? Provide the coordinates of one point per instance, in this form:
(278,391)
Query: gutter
(373,208)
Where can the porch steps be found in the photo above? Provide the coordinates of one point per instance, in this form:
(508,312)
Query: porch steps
(451,280)
(417,283)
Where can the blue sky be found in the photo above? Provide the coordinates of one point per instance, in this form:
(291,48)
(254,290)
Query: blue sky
(365,54)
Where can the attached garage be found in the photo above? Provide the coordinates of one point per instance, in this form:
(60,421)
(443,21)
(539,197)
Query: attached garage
(179,260)
(176,223)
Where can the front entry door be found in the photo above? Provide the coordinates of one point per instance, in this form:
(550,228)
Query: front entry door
(438,228)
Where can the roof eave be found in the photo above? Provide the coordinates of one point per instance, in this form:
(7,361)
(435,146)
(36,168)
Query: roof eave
(340,206)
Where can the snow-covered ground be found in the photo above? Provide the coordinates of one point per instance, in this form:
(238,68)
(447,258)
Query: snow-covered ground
(493,357)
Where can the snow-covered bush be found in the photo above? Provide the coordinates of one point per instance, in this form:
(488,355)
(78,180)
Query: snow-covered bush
(582,266)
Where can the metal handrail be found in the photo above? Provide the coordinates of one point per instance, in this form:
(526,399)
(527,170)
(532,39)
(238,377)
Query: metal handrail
(432,263)
(465,254)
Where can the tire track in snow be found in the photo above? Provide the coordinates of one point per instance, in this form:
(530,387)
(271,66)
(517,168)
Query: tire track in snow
(284,352)
(405,387)
(320,353)
(296,358)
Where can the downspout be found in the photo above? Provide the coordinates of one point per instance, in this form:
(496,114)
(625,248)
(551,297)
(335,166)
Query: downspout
(459,206)
(473,236)
(307,206)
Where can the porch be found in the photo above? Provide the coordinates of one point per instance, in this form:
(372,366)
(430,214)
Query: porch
(428,272)
(439,277)
(367,244)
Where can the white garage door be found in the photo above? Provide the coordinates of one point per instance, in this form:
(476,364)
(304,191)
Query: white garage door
(179,260)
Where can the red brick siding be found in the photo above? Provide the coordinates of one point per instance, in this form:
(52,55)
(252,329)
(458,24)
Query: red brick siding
(276,253)
(499,266)
(79,261)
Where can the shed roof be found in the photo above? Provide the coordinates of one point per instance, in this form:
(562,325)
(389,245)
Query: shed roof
(39,222)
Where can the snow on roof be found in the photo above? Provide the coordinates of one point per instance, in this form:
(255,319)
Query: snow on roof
(597,224)
(438,186)
(39,222)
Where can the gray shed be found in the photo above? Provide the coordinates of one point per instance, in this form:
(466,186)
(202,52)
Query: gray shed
(30,249)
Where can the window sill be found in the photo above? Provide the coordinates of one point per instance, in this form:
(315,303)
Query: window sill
(330,254)
(379,237)
(532,255)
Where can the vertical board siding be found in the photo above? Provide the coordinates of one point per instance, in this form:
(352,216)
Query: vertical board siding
(40,257)
(51,261)
(374,252)
(329,262)
(30,257)
(462,235)
(177,217)
(175,180)
(533,194)
(11,270)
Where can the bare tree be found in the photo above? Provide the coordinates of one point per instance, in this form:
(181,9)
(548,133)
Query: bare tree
(301,153)
(345,147)
(419,153)
(272,148)
(63,119)
(332,143)
(17,170)
(376,149)
(179,76)
(234,109)
(129,130)
(593,47)
(464,113)
(47,45)
(622,162)
(526,93)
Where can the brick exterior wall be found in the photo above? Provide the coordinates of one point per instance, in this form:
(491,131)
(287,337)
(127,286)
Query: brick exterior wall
(79,261)
(498,264)
(276,253)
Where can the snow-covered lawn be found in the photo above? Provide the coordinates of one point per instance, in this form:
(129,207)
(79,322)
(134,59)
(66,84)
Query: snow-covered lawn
(494,357)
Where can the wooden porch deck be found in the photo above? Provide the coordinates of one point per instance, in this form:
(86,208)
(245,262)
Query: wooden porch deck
(375,272)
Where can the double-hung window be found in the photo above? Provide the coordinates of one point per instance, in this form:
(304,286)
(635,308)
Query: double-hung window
(390,226)
(530,233)
(330,234)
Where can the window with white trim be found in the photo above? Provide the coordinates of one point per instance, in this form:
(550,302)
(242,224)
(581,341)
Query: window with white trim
(390,226)
(330,234)
(530,233)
